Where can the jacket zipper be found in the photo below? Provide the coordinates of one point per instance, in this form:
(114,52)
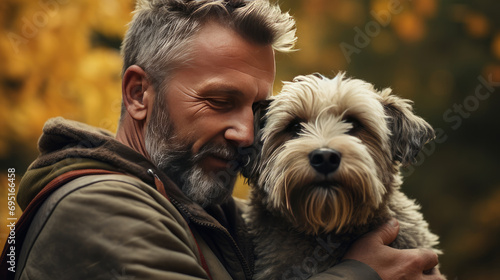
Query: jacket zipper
(224,231)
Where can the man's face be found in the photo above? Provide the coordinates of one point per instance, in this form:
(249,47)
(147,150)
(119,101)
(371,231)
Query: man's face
(207,115)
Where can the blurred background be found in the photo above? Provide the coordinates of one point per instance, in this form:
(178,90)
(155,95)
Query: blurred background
(61,58)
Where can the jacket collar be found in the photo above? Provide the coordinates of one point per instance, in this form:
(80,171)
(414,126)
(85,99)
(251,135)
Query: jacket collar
(67,145)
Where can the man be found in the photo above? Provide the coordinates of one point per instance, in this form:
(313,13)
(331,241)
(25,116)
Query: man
(193,70)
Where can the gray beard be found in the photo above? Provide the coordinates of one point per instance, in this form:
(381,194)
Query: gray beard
(174,157)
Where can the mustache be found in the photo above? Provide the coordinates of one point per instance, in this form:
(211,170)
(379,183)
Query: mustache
(237,157)
(225,152)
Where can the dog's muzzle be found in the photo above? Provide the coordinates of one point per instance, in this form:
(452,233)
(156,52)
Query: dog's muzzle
(324,160)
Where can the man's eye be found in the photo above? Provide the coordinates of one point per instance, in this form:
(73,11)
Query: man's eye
(220,103)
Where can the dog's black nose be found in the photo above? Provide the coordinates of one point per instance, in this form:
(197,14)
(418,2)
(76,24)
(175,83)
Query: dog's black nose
(325,160)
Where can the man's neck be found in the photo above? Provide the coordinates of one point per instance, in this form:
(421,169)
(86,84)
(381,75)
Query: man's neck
(131,133)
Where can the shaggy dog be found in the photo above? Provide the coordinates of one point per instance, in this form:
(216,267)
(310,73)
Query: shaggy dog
(327,171)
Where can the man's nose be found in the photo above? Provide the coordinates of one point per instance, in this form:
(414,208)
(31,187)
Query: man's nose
(241,130)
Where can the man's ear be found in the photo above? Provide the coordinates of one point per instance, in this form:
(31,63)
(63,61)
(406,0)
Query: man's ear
(137,92)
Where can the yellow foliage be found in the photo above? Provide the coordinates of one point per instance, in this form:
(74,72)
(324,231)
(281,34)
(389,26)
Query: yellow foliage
(492,72)
(409,27)
(106,21)
(50,67)
(314,8)
(425,8)
(98,86)
(309,36)
(380,5)
(347,11)
(477,25)
(495,46)
(241,190)
(488,211)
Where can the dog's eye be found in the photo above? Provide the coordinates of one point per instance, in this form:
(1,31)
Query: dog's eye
(356,125)
(294,127)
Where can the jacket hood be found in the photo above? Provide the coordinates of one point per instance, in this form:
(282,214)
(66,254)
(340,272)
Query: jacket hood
(69,145)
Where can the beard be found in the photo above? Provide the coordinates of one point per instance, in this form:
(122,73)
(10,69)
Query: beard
(174,157)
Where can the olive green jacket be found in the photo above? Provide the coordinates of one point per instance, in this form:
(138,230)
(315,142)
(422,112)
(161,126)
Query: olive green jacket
(120,227)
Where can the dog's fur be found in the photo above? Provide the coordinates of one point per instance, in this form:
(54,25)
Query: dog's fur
(303,218)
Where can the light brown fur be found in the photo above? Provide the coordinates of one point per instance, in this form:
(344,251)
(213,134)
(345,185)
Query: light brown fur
(303,220)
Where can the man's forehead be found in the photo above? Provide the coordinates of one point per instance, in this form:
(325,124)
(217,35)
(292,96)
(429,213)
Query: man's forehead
(218,39)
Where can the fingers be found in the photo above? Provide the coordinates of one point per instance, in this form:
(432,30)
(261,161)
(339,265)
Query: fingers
(373,241)
(433,274)
(392,263)
(428,259)
(430,265)
(386,233)
(423,262)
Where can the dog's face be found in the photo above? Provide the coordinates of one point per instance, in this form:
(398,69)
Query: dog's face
(331,150)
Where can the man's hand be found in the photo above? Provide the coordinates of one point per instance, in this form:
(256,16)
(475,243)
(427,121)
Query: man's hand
(390,263)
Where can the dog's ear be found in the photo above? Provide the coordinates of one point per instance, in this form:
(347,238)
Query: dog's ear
(252,153)
(259,111)
(409,132)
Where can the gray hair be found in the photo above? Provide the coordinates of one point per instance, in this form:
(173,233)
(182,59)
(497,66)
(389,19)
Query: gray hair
(160,31)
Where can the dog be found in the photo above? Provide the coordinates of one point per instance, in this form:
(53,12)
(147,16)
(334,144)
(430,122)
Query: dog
(326,171)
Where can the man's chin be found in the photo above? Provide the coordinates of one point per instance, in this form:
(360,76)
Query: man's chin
(208,187)
(212,198)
